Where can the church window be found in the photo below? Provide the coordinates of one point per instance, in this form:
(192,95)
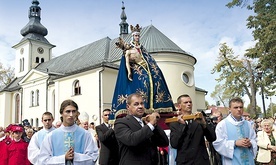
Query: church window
(42,60)
(185,78)
(17,108)
(77,87)
(32,121)
(32,99)
(22,64)
(36,122)
(37,97)
(37,60)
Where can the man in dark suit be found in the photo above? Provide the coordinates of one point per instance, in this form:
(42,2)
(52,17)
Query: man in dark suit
(138,139)
(187,136)
(109,150)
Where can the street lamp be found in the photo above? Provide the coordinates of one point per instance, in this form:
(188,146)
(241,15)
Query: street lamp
(260,73)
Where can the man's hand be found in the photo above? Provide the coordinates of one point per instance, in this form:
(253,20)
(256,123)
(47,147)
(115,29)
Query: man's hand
(69,155)
(202,121)
(180,119)
(245,142)
(153,118)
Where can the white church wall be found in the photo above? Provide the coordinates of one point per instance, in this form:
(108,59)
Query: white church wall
(200,104)
(22,52)
(88,100)
(173,66)
(5,106)
(33,110)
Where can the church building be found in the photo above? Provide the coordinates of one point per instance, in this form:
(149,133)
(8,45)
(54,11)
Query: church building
(87,74)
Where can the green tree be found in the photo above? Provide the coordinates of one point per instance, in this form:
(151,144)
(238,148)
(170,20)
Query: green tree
(236,76)
(254,115)
(222,94)
(273,111)
(263,24)
(6,75)
(206,104)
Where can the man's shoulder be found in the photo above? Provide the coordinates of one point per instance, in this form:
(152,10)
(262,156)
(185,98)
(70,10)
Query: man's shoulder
(123,119)
(99,126)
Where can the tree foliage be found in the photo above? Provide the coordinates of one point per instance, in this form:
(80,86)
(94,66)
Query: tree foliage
(222,95)
(263,24)
(236,76)
(271,112)
(6,75)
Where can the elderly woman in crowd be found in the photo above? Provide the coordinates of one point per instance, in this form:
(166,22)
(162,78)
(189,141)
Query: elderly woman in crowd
(266,142)
(258,126)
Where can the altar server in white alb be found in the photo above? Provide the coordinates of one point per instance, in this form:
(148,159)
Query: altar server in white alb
(68,144)
(36,140)
(236,139)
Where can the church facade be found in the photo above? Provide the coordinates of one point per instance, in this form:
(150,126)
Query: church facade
(86,75)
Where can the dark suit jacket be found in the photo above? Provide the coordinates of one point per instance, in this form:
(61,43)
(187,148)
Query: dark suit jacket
(109,149)
(137,144)
(190,143)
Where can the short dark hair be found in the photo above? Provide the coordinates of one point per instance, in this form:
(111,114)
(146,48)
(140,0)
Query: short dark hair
(47,114)
(92,123)
(107,110)
(235,99)
(179,98)
(128,100)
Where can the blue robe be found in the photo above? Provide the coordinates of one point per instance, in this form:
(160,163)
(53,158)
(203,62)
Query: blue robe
(148,80)
(57,143)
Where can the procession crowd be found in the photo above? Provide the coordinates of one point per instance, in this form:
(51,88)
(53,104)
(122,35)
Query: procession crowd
(138,138)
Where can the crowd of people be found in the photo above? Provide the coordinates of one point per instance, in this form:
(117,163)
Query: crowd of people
(138,139)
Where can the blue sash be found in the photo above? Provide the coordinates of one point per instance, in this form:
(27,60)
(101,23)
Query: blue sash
(62,141)
(242,156)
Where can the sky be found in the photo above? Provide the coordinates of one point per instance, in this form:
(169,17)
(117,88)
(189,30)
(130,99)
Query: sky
(196,26)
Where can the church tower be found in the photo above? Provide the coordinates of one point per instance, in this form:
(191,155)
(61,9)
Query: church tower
(34,48)
(123,24)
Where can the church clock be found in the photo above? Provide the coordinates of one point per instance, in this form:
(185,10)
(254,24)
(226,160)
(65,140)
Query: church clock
(40,50)
(21,50)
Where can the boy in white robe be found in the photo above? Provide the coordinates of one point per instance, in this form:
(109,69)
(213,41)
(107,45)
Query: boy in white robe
(69,144)
(37,138)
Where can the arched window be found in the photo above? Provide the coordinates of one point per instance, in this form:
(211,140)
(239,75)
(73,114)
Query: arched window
(17,108)
(37,60)
(77,88)
(37,97)
(32,99)
(36,122)
(32,121)
(42,60)
(22,64)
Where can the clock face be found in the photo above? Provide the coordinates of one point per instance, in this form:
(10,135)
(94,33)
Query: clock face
(40,50)
(21,50)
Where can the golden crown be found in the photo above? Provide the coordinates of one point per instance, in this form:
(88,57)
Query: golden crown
(135,29)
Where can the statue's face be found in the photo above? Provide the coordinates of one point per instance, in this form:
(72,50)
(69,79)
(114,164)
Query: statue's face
(136,37)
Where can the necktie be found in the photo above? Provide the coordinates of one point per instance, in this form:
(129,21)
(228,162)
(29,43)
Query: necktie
(141,123)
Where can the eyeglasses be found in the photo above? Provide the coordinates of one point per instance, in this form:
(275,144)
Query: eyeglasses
(106,114)
(47,120)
